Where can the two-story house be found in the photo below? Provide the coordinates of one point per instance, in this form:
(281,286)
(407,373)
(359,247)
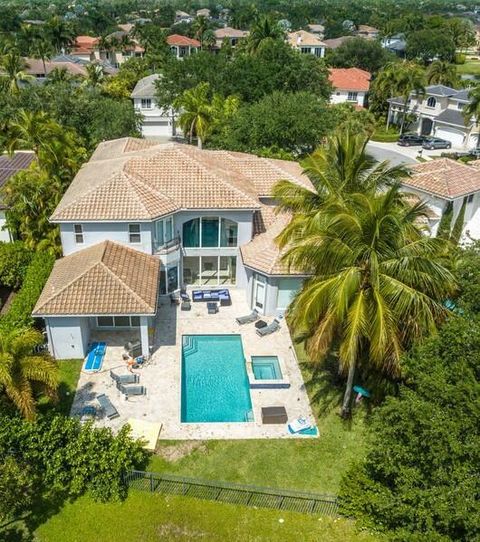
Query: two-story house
(350,85)
(307,43)
(156,121)
(230,35)
(182,46)
(438,112)
(140,219)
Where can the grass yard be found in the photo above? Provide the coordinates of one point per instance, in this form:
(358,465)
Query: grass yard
(471,67)
(151,518)
(69,371)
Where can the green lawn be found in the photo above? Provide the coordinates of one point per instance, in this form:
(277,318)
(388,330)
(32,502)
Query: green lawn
(471,67)
(69,370)
(151,518)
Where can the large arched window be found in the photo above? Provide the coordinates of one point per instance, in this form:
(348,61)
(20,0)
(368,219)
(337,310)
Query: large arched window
(431,102)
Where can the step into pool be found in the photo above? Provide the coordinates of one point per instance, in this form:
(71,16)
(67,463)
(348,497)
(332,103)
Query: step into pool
(215,386)
(266,368)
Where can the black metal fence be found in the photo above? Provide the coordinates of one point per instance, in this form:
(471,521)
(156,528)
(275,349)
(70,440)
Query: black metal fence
(262,497)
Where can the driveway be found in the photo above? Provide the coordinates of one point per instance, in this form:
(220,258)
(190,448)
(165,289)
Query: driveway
(403,155)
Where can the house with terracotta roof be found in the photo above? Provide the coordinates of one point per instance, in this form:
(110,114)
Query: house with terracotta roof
(350,85)
(140,219)
(230,35)
(447,185)
(9,166)
(306,43)
(182,46)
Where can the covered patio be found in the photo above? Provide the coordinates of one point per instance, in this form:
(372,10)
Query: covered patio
(162,375)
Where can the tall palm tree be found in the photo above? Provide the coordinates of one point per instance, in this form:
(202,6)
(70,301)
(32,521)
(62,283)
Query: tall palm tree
(41,48)
(95,75)
(208,39)
(59,75)
(22,372)
(199,26)
(14,71)
(473,110)
(60,32)
(442,73)
(401,79)
(195,112)
(264,30)
(31,130)
(377,283)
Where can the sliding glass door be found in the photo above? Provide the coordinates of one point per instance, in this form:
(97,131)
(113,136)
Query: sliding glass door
(209,270)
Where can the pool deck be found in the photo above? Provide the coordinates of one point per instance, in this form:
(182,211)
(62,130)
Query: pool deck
(162,376)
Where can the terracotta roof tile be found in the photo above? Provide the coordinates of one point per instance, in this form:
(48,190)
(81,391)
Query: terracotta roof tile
(182,41)
(445,178)
(107,278)
(349,79)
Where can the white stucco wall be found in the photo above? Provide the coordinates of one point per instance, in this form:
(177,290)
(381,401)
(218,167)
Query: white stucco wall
(96,232)
(341,96)
(4,233)
(68,336)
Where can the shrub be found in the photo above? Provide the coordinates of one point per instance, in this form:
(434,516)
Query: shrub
(460,58)
(14,261)
(20,311)
(384,137)
(72,459)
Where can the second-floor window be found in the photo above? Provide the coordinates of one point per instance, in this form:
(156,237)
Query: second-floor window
(318,51)
(210,232)
(78,231)
(352,96)
(134,233)
(146,103)
(431,102)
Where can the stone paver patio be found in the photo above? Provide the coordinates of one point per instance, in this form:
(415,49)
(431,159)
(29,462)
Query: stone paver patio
(162,376)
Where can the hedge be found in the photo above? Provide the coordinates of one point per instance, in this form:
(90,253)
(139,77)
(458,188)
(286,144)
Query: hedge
(384,137)
(14,261)
(20,311)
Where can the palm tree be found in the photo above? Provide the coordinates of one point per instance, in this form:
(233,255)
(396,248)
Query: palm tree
(60,32)
(473,110)
(14,71)
(196,112)
(208,39)
(442,73)
(30,130)
(42,49)
(95,75)
(59,75)
(377,283)
(401,79)
(265,29)
(199,26)
(22,373)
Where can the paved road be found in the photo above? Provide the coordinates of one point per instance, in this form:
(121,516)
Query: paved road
(387,151)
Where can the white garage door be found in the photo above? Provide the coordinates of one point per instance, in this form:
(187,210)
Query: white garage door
(157,129)
(450,134)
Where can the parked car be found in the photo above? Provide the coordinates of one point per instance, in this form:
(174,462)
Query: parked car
(436,143)
(410,140)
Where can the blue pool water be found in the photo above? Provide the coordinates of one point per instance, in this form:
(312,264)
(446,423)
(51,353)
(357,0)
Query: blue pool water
(266,368)
(215,385)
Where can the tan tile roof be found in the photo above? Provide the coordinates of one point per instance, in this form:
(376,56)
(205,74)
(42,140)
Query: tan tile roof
(349,79)
(131,179)
(303,38)
(445,178)
(263,253)
(107,278)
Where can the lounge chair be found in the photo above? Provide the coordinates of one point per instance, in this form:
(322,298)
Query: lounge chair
(186,305)
(129,378)
(130,391)
(274,326)
(252,317)
(107,407)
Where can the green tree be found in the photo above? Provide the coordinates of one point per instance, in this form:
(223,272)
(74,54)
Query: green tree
(427,45)
(461,31)
(18,487)
(42,49)
(22,373)
(420,478)
(263,31)
(442,73)
(377,283)
(360,53)
(472,110)
(14,71)
(95,75)
(14,261)
(61,33)
(199,26)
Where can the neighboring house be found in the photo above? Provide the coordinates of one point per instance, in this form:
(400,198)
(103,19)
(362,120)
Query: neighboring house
(205,12)
(9,166)
(439,112)
(349,85)
(368,32)
(443,183)
(87,48)
(307,43)
(335,43)
(156,121)
(84,48)
(183,17)
(37,69)
(140,219)
(395,44)
(182,46)
(232,35)
(317,29)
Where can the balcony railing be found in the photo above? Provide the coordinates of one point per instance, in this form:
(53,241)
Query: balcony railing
(173,244)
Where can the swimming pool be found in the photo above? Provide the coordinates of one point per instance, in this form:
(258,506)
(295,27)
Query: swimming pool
(266,368)
(215,385)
